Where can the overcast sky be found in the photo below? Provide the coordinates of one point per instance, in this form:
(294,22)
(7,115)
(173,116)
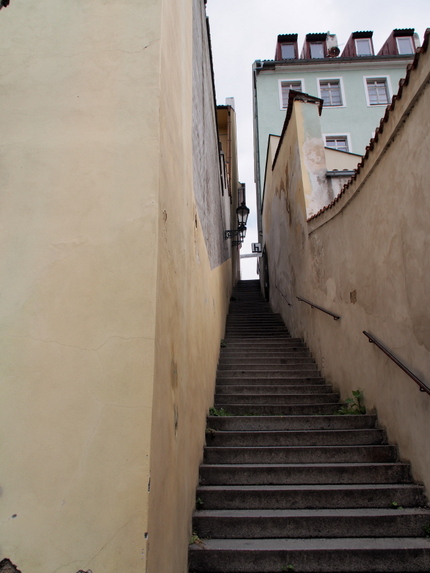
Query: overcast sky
(243,31)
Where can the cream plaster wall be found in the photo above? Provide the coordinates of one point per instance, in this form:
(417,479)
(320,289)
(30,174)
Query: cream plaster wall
(108,303)
(193,291)
(365,259)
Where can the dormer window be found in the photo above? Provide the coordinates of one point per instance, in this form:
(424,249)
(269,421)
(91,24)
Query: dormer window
(317,49)
(363,47)
(288,51)
(405,45)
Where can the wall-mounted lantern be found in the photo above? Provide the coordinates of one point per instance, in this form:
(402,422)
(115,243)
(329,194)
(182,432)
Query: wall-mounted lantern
(242,213)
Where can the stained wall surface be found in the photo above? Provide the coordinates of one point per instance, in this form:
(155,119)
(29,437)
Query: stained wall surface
(111,307)
(365,259)
(193,286)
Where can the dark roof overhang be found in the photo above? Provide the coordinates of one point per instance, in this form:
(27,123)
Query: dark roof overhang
(287,38)
(316,37)
(363,34)
(403,31)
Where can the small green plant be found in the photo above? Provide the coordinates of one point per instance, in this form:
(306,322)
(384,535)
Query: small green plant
(223,343)
(210,430)
(353,406)
(426,529)
(218,412)
(195,539)
(199,503)
(395,505)
(288,568)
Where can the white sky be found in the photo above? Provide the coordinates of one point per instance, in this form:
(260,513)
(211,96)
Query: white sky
(243,31)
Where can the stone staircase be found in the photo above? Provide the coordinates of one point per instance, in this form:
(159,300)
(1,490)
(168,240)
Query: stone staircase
(288,485)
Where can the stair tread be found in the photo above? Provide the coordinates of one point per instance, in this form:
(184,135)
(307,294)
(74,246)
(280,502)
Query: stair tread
(316,544)
(311,487)
(313,513)
(308,465)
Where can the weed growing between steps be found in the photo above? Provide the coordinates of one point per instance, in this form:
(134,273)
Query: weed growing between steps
(195,539)
(426,529)
(218,412)
(353,406)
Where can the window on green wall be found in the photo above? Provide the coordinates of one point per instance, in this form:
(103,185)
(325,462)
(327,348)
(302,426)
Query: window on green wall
(377,91)
(286,86)
(330,92)
(338,142)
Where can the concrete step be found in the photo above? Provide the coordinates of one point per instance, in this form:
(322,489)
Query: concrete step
(288,474)
(342,555)
(276,423)
(310,496)
(229,354)
(256,319)
(309,523)
(278,409)
(299,371)
(280,359)
(295,438)
(283,363)
(261,341)
(294,379)
(300,454)
(256,389)
(288,399)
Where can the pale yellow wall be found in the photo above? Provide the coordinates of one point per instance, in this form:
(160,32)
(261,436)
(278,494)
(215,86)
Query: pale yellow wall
(366,260)
(77,313)
(192,302)
(100,258)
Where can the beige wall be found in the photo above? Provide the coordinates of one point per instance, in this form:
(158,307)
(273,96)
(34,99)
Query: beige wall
(192,302)
(364,259)
(110,311)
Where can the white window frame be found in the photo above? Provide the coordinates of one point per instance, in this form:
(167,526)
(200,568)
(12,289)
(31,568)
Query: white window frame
(346,136)
(388,86)
(316,44)
(411,44)
(293,44)
(290,81)
(342,91)
(369,44)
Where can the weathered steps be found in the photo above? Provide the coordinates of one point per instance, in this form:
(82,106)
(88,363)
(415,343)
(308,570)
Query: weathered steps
(319,496)
(271,423)
(279,409)
(300,454)
(352,437)
(338,473)
(342,555)
(272,389)
(277,398)
(288,484)
(309,523)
